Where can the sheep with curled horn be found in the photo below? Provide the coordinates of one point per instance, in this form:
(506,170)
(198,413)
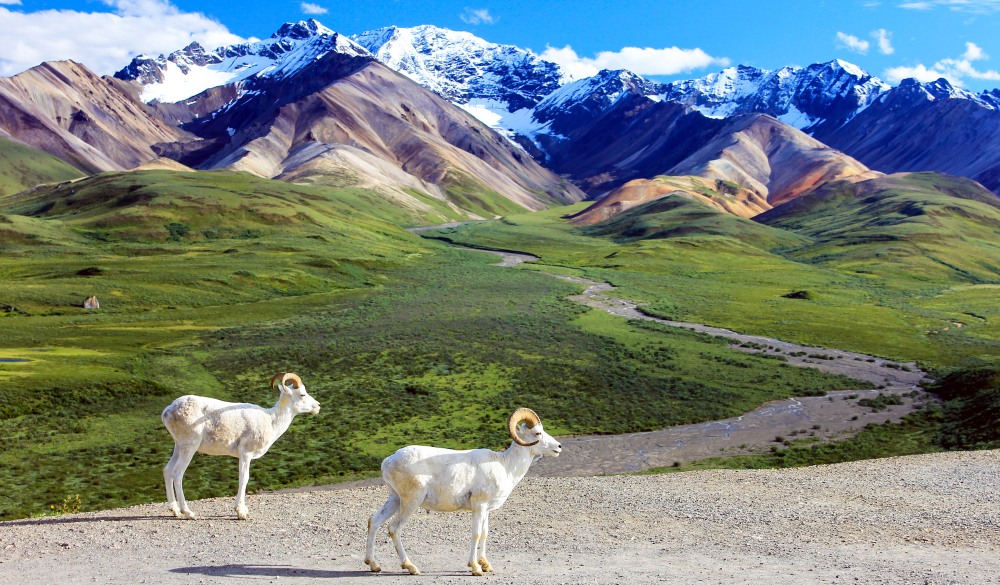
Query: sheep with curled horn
(445,480)
(213,427)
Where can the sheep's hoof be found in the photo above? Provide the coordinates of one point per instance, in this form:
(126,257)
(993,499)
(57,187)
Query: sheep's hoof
(188,514)
(476,570)
(243,513)
(373,566)
(487,567)
(411,568)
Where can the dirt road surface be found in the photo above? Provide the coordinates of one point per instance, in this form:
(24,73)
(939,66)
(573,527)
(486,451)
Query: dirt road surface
(919,519)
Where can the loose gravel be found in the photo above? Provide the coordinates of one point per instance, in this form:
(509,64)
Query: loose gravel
(920,519)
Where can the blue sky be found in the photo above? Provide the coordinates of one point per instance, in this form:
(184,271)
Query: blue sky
(956,39)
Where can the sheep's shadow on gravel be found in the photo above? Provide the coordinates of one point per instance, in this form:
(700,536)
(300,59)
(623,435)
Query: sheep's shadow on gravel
(266,571)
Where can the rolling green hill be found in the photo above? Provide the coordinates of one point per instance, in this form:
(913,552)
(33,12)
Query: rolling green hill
(923,226)
(676,216)
(22,167)
(199,206)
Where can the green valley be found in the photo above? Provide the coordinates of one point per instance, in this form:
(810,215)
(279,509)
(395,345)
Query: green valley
(210,283)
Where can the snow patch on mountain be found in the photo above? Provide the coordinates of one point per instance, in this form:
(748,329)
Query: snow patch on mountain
(192,70)
(462,67)
(801,96)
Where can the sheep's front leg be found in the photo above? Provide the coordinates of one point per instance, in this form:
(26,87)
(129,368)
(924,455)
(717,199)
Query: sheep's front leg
(479,520)
(390,508)
(242,512)
(485,564)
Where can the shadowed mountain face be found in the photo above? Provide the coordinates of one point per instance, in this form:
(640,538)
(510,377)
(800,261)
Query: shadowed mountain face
(635,138)
(746,166)
(925,127)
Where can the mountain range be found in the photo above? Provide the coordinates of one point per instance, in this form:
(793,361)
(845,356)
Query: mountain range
(447,125)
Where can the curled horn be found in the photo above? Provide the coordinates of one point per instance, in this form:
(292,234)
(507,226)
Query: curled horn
(522,415)
(286,376)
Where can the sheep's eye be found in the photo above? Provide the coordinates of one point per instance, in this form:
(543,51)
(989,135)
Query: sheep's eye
(538,434)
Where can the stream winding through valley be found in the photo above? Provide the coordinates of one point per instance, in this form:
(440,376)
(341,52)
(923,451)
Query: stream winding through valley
(834,416)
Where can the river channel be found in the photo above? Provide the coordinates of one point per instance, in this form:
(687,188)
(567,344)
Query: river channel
(834,416)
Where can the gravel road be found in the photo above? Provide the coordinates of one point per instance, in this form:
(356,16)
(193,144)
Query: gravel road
(919,519)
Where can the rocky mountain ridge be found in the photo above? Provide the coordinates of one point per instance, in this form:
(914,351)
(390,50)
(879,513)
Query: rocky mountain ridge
(309,104)
(192,70)
(835,102)
(306,105)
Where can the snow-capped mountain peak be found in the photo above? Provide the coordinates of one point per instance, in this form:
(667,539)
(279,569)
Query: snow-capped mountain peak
(804,97)
(462,67)
(191,70)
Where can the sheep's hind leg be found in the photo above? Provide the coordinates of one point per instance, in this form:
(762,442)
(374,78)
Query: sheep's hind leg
(390,507)
(180,466)
(406,509)
(168,481)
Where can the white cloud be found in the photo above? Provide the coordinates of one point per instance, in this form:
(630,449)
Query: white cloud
(954,70)
(10,1)
(477,16)
(644,61)
(310,8)
(975,6)
(973,52)
(884,41)
(103,41)
(851,43)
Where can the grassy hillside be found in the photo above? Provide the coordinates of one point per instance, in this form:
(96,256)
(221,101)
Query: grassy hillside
(836,287)
(676,216)
(924,226)
(22,167)
(212,282)
(160,205)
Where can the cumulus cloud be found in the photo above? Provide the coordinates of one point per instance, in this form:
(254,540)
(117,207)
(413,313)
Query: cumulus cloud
(477,16)
(10,1)
(851,43)
(884,41)
(310,8)
(103,41)
(954,70)
(644,61)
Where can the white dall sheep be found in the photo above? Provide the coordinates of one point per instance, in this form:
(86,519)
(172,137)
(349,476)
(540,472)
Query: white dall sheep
(213,427)
(444,480)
